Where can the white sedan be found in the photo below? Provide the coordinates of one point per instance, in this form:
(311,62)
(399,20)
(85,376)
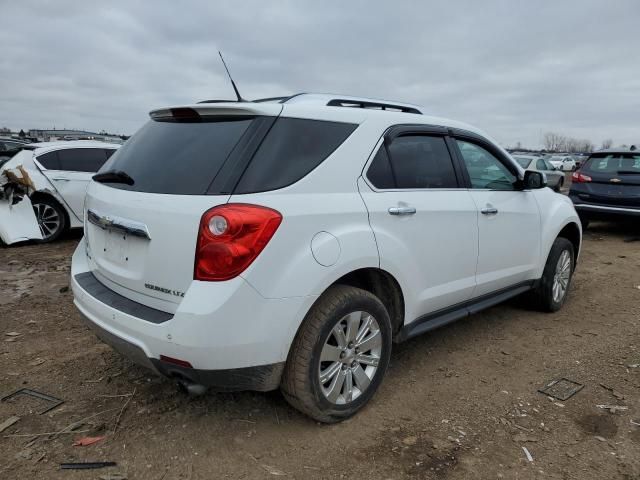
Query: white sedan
(564,163)
(42,188)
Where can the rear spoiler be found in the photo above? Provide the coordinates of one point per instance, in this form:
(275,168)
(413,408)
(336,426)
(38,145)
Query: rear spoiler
(200,112)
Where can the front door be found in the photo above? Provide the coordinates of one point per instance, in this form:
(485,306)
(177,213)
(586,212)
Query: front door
(508,218)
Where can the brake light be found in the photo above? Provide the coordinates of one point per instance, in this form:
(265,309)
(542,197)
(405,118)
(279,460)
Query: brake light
(578,177)
(231,237)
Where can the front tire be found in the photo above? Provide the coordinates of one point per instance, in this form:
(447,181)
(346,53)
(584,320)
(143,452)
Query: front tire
(339,356)
(554,285)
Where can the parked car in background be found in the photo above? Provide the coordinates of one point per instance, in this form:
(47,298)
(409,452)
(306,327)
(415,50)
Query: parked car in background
(564,163)
(9,147)
(42,188)
(607,186)
(555,177)
(287,243)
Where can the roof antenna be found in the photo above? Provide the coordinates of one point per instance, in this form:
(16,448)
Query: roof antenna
(235,89)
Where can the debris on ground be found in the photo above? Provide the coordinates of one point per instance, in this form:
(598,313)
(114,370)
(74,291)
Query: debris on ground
(528,455)
(635,422)
(614,392)
(86,441)
(523,437)
(113,476)
(7,423)
(561,389)
(613,408)
(86,465)
(55,402)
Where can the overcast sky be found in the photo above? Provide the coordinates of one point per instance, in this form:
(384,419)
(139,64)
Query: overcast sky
(513,68)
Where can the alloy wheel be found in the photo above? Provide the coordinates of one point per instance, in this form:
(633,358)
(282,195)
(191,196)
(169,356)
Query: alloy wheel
(349,358)
(561,276)
(48,219)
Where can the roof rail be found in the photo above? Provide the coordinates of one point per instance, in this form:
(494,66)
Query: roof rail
(337,102)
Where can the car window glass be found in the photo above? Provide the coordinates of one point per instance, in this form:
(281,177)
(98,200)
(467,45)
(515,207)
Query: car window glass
(422,162)
(613,163)
(485,170)
(292,148)
(523,161)
(540,165)
(549,165)
(82,159)
(379,173)
(49,161)
(108,152)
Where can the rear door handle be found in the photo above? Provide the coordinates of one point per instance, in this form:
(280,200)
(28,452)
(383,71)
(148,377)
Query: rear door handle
(402,210)
(489,210)
(60,179)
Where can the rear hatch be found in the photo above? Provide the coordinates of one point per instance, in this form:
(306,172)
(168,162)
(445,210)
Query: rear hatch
(614,180)
(142,214)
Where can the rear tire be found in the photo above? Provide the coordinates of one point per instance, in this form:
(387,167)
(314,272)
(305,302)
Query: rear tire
(51,218)
(554,285)
(339,356)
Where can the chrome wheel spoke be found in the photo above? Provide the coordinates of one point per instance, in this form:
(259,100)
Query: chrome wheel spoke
(329,372)
(364,329)
(374,340)
(338,333)
(348,386)
(353,323)
(368,360)
(330,353)
(334,390)
(361,379)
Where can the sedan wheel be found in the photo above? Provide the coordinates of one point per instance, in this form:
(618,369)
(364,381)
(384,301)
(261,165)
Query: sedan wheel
(51,220)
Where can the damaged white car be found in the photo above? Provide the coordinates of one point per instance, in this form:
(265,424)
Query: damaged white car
(42,188)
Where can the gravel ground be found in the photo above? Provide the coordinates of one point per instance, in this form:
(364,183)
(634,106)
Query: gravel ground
(460,402)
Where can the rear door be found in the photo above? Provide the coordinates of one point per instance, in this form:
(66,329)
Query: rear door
(424,220)
(615,180)
(508,218)
(72,170)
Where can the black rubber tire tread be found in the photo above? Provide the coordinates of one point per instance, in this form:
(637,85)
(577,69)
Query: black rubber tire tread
(543,295)
(63,217)
(296,383)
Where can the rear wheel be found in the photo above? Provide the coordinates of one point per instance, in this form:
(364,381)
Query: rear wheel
(51,219)
(339,356)
(554,285)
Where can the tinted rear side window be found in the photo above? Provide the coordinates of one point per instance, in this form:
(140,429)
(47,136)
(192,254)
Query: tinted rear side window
(175,157)
(422,162)
(292,148)
(379,173)
(82,159)
(49,161)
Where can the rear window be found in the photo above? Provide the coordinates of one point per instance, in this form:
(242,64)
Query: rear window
(614,163)
(292,148)
(524,162)
(175,157)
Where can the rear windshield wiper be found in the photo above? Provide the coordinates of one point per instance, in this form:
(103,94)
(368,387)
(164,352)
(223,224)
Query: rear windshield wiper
(113,176)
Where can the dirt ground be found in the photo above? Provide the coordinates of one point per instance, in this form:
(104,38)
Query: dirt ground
(460,402)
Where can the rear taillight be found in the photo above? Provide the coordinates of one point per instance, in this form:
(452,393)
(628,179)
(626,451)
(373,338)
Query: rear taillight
(230,238)
(577,177)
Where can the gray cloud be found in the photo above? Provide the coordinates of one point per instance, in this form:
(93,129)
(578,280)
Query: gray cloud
(514,68)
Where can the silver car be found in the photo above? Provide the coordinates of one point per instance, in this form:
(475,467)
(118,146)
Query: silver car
(555,177)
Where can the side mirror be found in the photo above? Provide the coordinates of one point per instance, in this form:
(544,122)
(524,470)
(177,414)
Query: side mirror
(534,180)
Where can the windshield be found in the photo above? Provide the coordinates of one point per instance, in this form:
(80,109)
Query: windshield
(613,163)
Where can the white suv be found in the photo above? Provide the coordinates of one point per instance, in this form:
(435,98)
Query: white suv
(289,242)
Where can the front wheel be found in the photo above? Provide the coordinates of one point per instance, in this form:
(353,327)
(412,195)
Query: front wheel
(554,285)
(51,219)
(339,356)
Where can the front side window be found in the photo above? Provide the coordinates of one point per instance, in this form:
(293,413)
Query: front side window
(485,170)
(540,165)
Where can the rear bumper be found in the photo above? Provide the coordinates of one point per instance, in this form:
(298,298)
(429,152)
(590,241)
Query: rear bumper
(234,340)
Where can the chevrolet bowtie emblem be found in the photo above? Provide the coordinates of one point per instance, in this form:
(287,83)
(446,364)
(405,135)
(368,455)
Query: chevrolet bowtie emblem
(615,180)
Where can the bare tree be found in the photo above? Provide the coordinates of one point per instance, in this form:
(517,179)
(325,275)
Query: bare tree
(553,142)
(608,143)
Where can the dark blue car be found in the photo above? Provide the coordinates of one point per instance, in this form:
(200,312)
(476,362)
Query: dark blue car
(607,186)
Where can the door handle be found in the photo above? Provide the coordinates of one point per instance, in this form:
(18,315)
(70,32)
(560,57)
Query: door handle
(59,179)
(402,210)
(489,210)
